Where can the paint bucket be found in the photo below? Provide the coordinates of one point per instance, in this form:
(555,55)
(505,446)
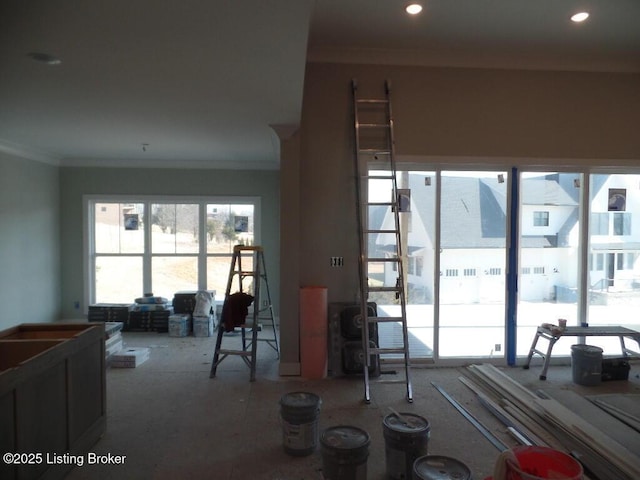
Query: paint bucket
(345,451)
(437,467)
(586,364)
(542,463)
(406,438)
(299,412)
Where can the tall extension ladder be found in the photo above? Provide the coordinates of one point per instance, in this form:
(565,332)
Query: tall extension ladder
(251,279)
(374,145)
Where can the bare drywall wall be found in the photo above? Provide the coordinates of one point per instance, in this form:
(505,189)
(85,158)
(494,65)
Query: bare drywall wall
(457,116)
(29,241)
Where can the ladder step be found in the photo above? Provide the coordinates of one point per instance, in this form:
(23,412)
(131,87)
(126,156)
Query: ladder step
(377,151)
(381,231)
(385,289)
(383,259)
(382,351)
(381,204)
(245,273)
(388,380)
(382,101)
(242,353)
(385,319)
(373,125)
(378,177)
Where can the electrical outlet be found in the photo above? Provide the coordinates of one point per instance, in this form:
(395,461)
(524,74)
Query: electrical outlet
(498,347)
(337,261)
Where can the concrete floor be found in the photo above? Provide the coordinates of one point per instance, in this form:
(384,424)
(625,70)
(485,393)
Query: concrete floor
(173,422)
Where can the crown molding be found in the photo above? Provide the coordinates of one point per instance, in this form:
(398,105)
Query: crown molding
(28,153)
(157,163)
(467,58)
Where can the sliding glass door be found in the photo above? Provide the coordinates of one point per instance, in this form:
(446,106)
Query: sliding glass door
(576,256)
(472,270)
(614,254)
(417,225)
(548,280)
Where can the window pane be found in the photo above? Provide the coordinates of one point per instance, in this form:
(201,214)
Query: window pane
(229,225)
(217,274)
(417,234)
(622,224)
(218,268)
(548,285)
(172,274)
(119,227)
(175,228)
(614,281)
(540,219)
(118,279)
(473,220)
(599,223)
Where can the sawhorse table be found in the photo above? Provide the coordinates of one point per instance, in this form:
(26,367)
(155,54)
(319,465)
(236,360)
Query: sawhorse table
(553,336)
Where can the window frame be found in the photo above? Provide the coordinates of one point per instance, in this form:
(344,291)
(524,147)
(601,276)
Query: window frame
(90,255)
(541,218)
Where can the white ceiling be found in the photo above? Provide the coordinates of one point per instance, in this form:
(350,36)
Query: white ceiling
(213,82)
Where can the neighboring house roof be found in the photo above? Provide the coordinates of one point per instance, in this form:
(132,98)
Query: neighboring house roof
(549,190)
(472,215)
(474,210)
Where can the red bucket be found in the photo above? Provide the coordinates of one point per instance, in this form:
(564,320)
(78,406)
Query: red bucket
(542,463)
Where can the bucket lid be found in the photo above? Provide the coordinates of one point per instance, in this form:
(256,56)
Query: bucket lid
(588,349)
(408,423)
(436,467)
(300,400)
(345,437)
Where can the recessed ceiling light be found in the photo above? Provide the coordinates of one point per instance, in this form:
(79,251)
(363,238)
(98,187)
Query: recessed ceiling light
(413,9)
(580,17)
(44,58)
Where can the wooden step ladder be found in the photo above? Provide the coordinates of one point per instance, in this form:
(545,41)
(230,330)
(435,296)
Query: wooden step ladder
(249,275)
(375,160)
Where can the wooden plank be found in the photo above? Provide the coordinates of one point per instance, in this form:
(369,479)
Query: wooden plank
(625,417)
(505,417)
(599,453)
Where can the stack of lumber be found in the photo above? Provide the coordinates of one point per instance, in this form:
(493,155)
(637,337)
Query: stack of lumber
(549,423)
(625,407)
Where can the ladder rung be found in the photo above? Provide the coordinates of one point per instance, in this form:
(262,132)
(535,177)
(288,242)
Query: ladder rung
(383,259)
(390,380)
(384,319)
(377,177)
(234,352)
(385,289)
(252,248)
(377,151)
(382,351)
(373,125)
(372,100)
(381,204)
(381,231)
